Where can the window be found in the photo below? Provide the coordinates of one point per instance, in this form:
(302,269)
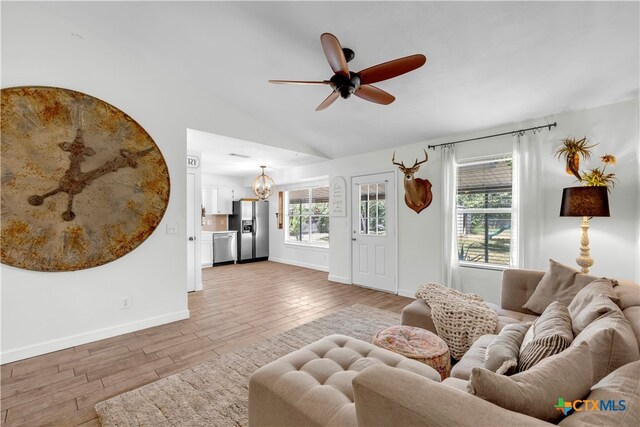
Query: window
(484,205)
(373,211)
(308,216)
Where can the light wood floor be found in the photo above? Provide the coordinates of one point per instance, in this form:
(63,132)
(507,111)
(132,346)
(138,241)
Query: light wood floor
(240,304)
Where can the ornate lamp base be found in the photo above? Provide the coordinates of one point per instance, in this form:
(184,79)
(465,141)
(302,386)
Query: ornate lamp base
(584,260)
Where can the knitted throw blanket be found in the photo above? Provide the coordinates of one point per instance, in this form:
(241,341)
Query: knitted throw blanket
(460,319)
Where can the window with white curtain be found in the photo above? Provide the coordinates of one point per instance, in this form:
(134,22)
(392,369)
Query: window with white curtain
(307,212)
(484,212)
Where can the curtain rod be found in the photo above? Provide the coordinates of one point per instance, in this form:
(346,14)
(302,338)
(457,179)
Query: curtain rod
(513,132)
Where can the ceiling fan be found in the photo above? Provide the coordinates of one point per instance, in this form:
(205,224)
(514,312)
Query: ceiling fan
(345,83)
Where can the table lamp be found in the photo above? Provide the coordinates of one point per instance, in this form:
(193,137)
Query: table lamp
(586,202)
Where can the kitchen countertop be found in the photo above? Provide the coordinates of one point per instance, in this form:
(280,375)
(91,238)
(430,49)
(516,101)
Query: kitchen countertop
(223,232)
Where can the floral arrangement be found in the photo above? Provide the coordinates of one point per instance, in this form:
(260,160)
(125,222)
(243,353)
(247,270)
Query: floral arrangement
(572,150)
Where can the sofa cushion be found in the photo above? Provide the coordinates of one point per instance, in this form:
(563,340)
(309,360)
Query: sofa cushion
(556,284)
(456,383)
(548,335)
(621,386)
(596,307)
(508,317)
(418,314)
(535,391)
(629,294)
(312,386)
(611,341)
(584,296)
(472,358)
(632,314)
(502,353)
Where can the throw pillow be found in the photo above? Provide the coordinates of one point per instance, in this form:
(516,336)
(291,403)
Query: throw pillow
(597,306)
(622,387)
(585,295)
(556,284)
(536,391)
(611,341)
(501,356)
(550,334)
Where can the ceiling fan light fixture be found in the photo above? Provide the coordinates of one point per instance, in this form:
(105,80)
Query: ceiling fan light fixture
(263,186)
(345,83)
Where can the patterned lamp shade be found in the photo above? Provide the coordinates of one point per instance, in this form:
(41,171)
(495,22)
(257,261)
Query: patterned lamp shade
(585,201)
(263,185)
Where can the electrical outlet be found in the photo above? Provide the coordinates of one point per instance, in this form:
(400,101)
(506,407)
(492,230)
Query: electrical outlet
(172,228)
(125,302)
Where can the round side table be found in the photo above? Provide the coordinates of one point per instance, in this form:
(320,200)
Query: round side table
(418,344)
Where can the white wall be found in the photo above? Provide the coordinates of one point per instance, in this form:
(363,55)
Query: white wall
(614,241)
(43,312)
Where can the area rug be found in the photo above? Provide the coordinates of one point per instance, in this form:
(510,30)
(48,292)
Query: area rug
(215,393)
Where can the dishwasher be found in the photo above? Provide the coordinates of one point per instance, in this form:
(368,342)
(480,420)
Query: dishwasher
(224,248)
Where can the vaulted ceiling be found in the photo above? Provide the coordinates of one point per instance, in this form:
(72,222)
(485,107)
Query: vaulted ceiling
(488,63)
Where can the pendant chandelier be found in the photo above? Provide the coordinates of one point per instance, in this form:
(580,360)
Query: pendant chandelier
(263,185)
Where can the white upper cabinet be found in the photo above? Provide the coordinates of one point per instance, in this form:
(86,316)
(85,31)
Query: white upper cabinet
(210,200)
(225,200)
(219,200)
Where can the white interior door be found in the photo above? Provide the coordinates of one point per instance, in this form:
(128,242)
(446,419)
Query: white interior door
(373,238)
(192,262)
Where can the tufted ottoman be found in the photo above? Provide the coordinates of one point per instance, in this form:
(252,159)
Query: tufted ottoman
(418,344)
(312,386)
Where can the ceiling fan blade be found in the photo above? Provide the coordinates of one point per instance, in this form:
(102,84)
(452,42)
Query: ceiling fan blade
(335,55)
(388,70)
(299,82)
(328,101)
(374,94)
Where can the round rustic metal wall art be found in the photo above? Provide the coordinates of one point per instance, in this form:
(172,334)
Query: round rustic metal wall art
(83,184)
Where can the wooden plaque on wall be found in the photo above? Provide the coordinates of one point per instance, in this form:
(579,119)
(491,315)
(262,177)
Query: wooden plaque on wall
(82,182)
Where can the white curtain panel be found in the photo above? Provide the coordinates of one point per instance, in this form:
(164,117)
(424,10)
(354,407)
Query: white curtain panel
(526,222)
(450,266)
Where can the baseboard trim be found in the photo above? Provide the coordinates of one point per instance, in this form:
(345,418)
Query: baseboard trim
(300,264)
(74,340)
(406,293)
(339,279)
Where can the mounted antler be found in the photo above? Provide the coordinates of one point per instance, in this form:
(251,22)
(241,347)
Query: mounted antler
(426,157)
(412,169)
(401,164)
(417,192)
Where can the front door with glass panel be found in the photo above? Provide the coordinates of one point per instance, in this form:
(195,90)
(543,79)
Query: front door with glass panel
(373,238)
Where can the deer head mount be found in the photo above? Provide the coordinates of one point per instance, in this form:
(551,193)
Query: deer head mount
(417,191)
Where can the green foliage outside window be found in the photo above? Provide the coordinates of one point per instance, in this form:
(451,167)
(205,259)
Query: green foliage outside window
(308,216)
(484,203)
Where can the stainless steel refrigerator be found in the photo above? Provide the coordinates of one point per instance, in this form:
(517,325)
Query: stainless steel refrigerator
(251,220)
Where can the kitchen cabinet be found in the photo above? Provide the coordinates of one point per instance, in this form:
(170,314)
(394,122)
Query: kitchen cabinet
(206,249)
(210,200)
(225,200)
(219,200)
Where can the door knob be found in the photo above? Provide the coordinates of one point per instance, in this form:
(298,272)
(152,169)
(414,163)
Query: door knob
(353,238)
(191,238)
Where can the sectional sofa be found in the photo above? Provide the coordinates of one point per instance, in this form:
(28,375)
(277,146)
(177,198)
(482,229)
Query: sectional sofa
(342,381)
